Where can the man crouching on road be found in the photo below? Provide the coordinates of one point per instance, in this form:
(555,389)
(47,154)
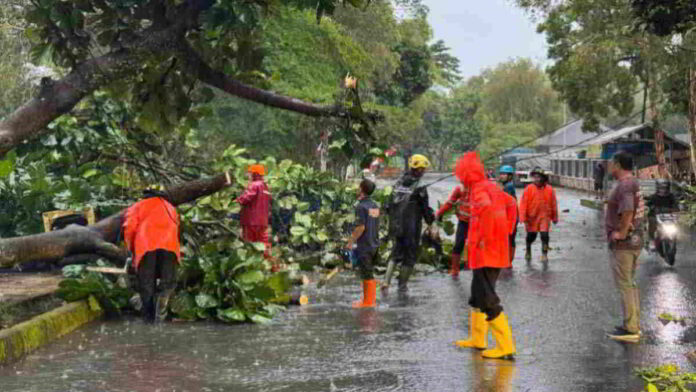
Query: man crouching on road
(624,212)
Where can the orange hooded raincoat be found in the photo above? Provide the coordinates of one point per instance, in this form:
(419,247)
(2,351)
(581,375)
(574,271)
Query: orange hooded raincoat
(538,208)
(489,225)
(151,224)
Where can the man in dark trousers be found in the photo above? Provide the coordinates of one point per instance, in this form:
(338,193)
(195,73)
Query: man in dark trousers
(598,175)
(366,236)
(407,209)
(151,232)
(623,220)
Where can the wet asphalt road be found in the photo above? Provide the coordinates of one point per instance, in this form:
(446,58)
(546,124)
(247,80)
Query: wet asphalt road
(559,314)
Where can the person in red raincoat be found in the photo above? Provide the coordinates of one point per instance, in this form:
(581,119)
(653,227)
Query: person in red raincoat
(538,209)
(151,232)
(459,198)
(490,225)
(256,203)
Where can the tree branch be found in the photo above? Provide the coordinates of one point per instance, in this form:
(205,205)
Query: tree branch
(98,238)
(206,74)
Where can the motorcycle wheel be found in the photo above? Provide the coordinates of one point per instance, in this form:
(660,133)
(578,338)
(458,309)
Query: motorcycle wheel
(669,252)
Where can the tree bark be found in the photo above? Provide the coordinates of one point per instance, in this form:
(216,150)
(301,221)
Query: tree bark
(99,238)
(659,139)
(206,74)
(692,118)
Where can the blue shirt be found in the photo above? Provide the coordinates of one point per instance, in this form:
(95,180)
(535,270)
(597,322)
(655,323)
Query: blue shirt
(509,188)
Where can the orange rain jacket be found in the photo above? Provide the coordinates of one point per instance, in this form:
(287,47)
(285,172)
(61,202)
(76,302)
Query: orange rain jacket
(459,197)
(489,225)
(151,224)
(538,208)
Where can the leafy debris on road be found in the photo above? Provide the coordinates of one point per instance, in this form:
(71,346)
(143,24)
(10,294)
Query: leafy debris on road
(666,378)
(667,318)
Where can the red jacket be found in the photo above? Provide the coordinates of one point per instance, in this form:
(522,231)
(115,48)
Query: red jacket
(459,197)
(538,208)
(151,224)
(256,203)
(489,225)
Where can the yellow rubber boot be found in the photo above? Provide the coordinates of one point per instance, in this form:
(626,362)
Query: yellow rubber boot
(505,345)
(478,327)
(369,295)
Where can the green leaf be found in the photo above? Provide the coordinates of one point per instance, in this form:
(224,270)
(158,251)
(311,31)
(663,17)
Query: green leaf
(258,319)
(231,314)
(322,237)
(206,301)
(259,246)
(6,167)
(90,173)
(251,277)
(298,231)
(303,219)
(651,388)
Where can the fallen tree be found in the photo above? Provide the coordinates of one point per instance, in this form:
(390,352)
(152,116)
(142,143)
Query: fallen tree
(99,238)
(158,32)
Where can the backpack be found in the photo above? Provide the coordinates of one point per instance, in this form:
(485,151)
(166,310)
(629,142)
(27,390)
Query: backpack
(397,207)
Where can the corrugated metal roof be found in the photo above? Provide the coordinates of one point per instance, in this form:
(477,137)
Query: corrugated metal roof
(569,135)
(623,132)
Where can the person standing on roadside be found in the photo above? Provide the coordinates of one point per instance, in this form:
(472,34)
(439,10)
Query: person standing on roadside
(538,209)
(507,180)
(489,230)
(623,221)
(407,208)
(599,173)
(366,236)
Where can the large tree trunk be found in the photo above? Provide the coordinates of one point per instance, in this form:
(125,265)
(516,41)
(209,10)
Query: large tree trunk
(692,118)
(98,238)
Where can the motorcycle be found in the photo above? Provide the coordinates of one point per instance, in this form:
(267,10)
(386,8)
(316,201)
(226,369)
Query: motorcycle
(666,237)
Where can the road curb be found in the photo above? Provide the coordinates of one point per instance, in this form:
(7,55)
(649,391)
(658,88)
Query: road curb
(23,338)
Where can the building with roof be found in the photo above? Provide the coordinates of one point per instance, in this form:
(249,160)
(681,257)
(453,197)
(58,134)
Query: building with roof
(574,165)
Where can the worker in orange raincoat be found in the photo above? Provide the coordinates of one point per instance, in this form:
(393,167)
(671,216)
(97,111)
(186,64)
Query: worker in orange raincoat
(151,232)
(459,198)
(538,209)
(256,204)
(490,225)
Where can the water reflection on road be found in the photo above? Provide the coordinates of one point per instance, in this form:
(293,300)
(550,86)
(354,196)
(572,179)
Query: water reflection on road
(559,314)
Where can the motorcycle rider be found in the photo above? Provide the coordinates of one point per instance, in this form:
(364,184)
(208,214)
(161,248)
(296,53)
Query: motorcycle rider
(663,201)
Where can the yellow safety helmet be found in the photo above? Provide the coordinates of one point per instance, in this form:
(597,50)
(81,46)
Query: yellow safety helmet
(417,161)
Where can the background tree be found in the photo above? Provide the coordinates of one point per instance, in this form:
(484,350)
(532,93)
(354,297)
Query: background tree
(606,52)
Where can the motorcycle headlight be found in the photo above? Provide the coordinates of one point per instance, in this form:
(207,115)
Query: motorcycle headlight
(670,230)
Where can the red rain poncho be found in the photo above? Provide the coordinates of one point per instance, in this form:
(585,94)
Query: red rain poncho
(151,224)
(538,208)
(489,227)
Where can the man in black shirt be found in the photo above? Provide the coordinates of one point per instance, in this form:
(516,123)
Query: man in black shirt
(366,235)
(407,209)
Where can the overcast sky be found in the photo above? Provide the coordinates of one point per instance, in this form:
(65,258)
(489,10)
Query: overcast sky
(483,33)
